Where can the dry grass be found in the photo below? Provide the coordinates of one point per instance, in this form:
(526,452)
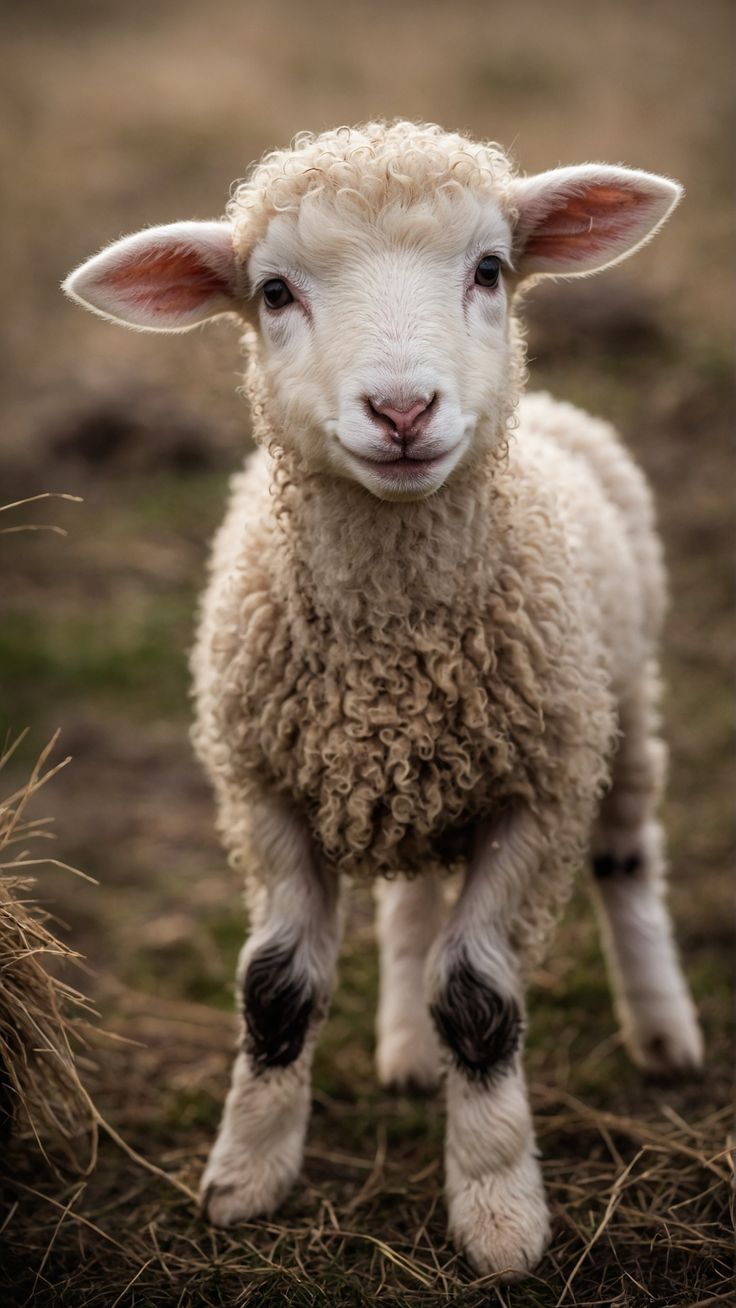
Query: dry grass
(640,1207)
(42,1017)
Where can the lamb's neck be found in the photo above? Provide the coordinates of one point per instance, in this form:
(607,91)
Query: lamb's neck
(361,559)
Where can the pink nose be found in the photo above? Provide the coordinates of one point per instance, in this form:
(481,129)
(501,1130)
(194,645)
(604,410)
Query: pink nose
(402,425)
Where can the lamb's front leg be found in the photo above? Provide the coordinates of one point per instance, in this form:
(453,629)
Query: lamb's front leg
(496,1204)
(285,974)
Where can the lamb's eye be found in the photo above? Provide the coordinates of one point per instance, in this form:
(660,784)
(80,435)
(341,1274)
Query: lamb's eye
(488,271)
(276,293)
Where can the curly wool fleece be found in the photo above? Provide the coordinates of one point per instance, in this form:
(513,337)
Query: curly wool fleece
(398,671)
(393,715)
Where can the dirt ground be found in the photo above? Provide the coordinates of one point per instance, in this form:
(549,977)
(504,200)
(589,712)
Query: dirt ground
(120,116)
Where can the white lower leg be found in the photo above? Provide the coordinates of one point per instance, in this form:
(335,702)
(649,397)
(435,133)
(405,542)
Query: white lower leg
(409,916)
(258,1152)
(652,998)
(496,1204)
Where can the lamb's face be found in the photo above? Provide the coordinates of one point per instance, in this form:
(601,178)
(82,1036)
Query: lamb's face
(386,342)
(376,265)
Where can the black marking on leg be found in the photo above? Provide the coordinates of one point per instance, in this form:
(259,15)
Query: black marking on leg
(481,1026)
(607,865)
(277,1005)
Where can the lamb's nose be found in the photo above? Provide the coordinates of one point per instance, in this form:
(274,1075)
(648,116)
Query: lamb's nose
(403,423)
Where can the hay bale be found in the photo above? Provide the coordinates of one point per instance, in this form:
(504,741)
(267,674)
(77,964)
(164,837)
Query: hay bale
(42,1017)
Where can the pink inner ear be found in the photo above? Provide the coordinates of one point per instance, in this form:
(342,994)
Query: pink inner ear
(584,224)
(171,280)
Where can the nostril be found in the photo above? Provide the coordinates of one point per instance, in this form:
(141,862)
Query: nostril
(402,419)
(429,407)
(372,408)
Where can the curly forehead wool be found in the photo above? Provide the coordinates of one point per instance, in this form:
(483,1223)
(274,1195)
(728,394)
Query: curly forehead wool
(367,168)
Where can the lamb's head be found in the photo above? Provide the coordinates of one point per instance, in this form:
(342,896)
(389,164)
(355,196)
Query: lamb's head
(375,270)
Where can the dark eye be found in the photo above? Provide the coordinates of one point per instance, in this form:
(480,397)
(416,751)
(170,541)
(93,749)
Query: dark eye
(488,271)
(276,293)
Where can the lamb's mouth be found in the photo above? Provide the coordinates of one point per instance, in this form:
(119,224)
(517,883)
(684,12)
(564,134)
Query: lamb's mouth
(403,465)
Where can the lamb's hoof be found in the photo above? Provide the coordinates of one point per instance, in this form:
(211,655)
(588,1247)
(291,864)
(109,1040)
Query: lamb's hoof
(237,1190)
(665,1039)
(501,1222)
(409,1064)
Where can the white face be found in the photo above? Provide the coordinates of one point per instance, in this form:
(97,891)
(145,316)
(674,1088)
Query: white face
(384,340)
(384,344)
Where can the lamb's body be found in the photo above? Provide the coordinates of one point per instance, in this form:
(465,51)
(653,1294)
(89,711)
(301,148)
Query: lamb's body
(397,676)
(429,639)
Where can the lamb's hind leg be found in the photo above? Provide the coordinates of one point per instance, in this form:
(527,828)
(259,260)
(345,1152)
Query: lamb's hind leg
(409,916)
(652,1000)
(286,973)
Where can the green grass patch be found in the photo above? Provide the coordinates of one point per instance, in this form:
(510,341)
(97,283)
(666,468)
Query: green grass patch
(115,655)
(183,505)
(199,967)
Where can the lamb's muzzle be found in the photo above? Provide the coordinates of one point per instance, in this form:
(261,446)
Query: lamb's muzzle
(429,640)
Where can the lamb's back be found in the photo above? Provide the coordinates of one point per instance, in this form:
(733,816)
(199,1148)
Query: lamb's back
(604,500)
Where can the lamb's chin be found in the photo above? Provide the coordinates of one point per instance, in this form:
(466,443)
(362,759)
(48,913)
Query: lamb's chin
(402,493)
(398,492)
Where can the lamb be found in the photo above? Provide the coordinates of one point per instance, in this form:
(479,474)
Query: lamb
(428,649)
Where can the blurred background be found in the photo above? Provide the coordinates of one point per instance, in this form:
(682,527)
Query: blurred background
(119,116)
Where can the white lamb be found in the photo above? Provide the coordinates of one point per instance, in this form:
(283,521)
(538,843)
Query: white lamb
(429,639)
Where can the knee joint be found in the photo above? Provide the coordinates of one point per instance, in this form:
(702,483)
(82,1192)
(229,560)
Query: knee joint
(481,1026)
(278,1004)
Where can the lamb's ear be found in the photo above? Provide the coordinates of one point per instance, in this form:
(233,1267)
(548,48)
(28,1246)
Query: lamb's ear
(165,279)
(577,220)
